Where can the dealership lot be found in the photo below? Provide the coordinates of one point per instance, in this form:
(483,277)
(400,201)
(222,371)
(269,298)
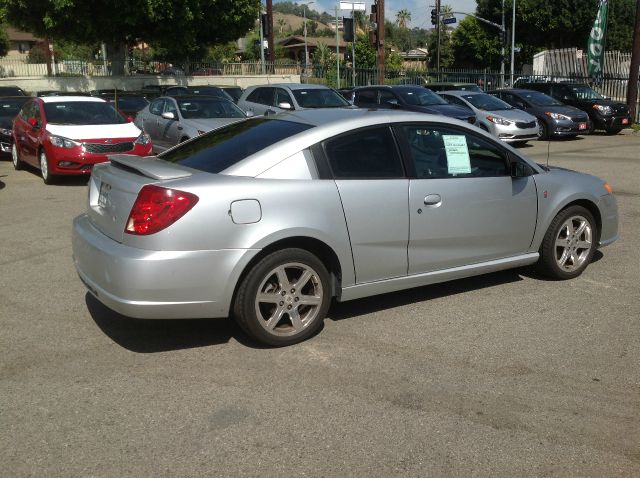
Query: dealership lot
(499,375)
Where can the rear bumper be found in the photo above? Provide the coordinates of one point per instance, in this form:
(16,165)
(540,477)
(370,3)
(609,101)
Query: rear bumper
(156,284)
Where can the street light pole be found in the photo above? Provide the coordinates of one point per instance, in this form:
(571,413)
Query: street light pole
(306,51)
(502,40)
(513,39)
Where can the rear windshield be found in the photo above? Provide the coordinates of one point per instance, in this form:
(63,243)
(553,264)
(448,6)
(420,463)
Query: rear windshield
(319,98)
(222,148)
(216,92)
(206,108)
(82,112)
(584,92)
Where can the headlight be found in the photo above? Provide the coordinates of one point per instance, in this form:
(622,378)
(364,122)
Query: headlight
(499,121)
(605,110)
(6,132)
(143,139)
(556,116)
(62,142)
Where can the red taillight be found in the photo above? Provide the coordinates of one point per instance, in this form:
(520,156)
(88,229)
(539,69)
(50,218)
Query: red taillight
(157,208)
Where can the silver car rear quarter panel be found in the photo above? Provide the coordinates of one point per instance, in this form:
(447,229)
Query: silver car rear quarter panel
(155,284)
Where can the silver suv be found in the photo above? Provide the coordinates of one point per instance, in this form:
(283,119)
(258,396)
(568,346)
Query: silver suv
(270,99)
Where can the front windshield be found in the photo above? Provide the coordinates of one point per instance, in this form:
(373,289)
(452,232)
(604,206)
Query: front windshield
(319,98)
(420,97)
(584,92)
(540,99)
(206,108)
(487,102)
(82,113)
(11,107)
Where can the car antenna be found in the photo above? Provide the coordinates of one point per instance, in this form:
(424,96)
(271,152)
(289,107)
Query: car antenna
(548,148)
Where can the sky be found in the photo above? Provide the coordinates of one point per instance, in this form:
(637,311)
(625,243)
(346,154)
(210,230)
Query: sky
(419,9)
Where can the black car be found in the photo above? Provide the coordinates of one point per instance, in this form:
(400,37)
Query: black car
(214,91)
(409,98)
(129,103)
(10,106)
(234,91)
(11,90)
(610,116)
(555,119)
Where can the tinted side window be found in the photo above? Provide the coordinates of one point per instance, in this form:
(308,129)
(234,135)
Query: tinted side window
(364,154)
(366,98)
(170,107)
(282,97)
(385,97)
(156,107)
(454,100)
(440,152)
(263,96)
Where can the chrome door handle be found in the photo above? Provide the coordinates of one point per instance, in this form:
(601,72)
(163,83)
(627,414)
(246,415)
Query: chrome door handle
(432,200)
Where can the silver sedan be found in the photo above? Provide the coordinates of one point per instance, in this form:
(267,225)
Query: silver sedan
(169,121)
(269,219)
(501,119)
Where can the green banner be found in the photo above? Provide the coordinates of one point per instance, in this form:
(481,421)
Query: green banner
(595,47)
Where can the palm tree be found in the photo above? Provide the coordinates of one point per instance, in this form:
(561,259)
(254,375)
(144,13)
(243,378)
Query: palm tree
(323,55)
(445,12)
(403,17)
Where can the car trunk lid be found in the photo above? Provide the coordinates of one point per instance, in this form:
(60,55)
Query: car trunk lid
(114,187)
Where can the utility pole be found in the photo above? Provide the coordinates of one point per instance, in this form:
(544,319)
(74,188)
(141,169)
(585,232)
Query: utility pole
(380,36)
(502,40)
(632,90)
(337,51)
(272,52)
(438,37)
(513,40)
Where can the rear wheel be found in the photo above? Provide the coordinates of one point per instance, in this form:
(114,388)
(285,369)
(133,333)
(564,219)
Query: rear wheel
(15,158)
(284,297)
(47,177)
(543,131)
(569,244)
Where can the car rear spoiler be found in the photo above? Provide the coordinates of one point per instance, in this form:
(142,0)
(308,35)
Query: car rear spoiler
(150,166)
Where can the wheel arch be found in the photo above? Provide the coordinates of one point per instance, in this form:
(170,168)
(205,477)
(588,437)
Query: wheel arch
(593,209)
(320,249)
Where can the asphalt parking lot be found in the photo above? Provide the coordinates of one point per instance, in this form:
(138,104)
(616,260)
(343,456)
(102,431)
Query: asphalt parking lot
(500,375)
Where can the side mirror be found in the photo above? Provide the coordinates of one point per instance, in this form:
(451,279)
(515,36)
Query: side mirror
(130,119)
(520,105)
(565,98)
(285,105)
(168,115)
(33,122)
(248,114)
(519,170)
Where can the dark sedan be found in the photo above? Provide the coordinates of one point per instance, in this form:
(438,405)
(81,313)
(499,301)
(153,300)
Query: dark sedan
(9,108)
(555,119)
(409,98)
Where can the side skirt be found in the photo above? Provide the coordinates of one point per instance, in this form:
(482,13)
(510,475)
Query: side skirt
(417,280)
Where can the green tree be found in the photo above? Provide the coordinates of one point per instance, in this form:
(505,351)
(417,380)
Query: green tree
(5,44)
(475,46)
(183,31)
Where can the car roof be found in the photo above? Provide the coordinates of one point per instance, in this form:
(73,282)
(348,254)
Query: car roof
(461,93)
(332,116)
(296,86)
(68,99)
(196,97)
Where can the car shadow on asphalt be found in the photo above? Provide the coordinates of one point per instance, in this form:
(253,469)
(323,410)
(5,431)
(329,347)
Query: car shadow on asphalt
(163,335)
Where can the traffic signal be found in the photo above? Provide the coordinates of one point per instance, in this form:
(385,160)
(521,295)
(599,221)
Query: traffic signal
(347,27)
(266,28)
(434,16)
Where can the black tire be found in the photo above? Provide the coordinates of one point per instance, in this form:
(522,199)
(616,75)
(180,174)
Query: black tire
(543,134)
(18,164)
(483,127)
(284,318)
(558,241)
(47,177)
(612,131)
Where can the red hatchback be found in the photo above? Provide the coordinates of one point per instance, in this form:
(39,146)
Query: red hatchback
(67,135)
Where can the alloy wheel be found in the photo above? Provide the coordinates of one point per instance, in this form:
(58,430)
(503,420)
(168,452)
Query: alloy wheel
(573,243)
(289,299)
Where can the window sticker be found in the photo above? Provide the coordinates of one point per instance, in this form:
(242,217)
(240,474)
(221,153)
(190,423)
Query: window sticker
(458,161)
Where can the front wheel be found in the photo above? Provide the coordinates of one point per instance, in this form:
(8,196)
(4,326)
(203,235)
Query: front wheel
(543,131)
(47,177)
(284,297)
(569,244)
(15,158)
